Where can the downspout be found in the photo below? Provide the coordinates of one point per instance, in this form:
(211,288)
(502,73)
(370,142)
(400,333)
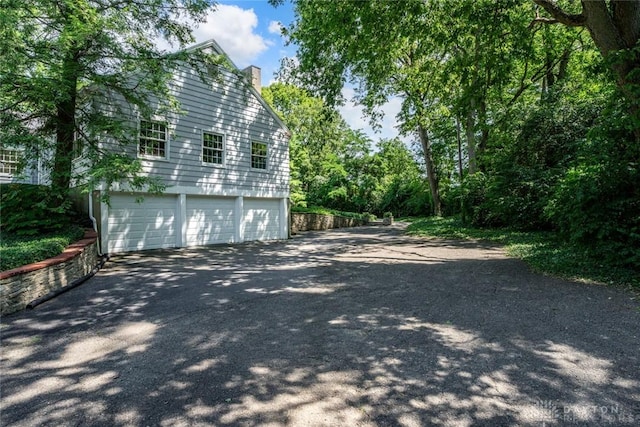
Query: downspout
(94,222)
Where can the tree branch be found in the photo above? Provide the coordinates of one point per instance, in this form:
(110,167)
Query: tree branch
(541,20)
(559,15)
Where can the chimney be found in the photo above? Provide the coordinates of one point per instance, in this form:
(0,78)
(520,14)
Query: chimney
(255,77)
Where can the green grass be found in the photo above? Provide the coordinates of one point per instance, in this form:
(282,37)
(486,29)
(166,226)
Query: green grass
(16,251)
(543,251)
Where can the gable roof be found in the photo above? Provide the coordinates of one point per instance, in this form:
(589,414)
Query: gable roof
(212,44)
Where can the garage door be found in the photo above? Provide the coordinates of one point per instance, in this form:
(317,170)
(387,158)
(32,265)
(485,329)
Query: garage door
(209,220)
(134,226)
(261,219)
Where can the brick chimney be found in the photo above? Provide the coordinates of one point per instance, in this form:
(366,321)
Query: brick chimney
(255,77)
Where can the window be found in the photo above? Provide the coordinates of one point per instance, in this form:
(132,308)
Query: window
(258,155)
(212,148)
(153,139)
(9,160)
(76,151)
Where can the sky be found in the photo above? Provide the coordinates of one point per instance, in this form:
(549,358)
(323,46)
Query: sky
(249,32)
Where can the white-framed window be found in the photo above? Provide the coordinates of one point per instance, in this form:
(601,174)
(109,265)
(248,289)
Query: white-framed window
(258,155)
(154,139)
(212,148)
(9,161)
(76,151)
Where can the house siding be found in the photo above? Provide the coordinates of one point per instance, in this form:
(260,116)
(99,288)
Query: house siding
(227,106)
(203,203)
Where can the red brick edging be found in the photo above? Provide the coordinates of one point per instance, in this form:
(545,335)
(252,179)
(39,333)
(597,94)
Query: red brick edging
(70,252)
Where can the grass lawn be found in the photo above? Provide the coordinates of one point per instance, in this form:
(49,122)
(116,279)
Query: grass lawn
(541,250)
(16,251)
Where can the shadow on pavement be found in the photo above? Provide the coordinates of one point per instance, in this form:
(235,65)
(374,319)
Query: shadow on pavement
(350,327)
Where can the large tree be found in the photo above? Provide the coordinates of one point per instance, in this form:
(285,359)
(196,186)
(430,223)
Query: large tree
(453,54)
(318,133)
(614,26)
(58,56)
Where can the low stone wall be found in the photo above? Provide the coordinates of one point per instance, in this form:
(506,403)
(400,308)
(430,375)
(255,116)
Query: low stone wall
(20,286)
(311,221)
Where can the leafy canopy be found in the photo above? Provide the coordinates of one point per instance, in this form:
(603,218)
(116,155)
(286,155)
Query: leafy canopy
(60,57)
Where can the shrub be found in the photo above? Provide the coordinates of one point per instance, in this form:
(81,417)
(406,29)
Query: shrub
(596,203)
(368,217)
(27,209)
(473,194)
(16,251)
(596,207)
(524,173)
(406,198)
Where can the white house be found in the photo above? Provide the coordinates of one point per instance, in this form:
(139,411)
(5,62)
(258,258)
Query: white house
(224,159)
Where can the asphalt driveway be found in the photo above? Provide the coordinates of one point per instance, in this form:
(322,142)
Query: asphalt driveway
(359,327)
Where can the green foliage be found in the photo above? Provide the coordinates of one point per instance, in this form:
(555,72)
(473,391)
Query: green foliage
(28,210)
(473,194)
(596,204)
(522,175)
(543,251)
(61,60)
(406,197)
(16,251)
(335,166)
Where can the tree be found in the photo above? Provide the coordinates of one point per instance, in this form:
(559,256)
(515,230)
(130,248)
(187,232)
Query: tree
(318,133)
(341,39)
(60,56)
(333,165)
(614,26)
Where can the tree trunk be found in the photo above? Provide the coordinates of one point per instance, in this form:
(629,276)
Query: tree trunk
(617,29)
(459,140)
(432,176)
(614,27)
(470,134)
(65,128)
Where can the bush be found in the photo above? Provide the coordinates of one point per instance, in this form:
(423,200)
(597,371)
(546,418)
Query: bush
(596,203)
(523,175)
(16,251)
(473,194)
(406,198)
(599,207)
(29,210)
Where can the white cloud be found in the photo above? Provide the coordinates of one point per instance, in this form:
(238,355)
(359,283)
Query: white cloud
(233,28)
(275,27)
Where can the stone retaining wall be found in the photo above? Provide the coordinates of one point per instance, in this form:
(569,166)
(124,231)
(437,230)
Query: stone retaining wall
(311,221)
(20,286)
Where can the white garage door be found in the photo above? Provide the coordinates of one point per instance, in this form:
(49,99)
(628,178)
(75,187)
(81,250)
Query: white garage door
(261,219)
(209,220)
(134,226)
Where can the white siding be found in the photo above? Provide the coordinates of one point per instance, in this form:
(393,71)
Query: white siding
(226,107)
(203,203)
(261,219)
(132,226)
(209,220)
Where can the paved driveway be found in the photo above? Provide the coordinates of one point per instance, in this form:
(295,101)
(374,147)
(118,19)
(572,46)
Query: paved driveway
(342,328)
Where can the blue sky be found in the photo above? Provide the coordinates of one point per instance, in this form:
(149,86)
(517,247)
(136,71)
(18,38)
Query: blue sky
(249,33)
